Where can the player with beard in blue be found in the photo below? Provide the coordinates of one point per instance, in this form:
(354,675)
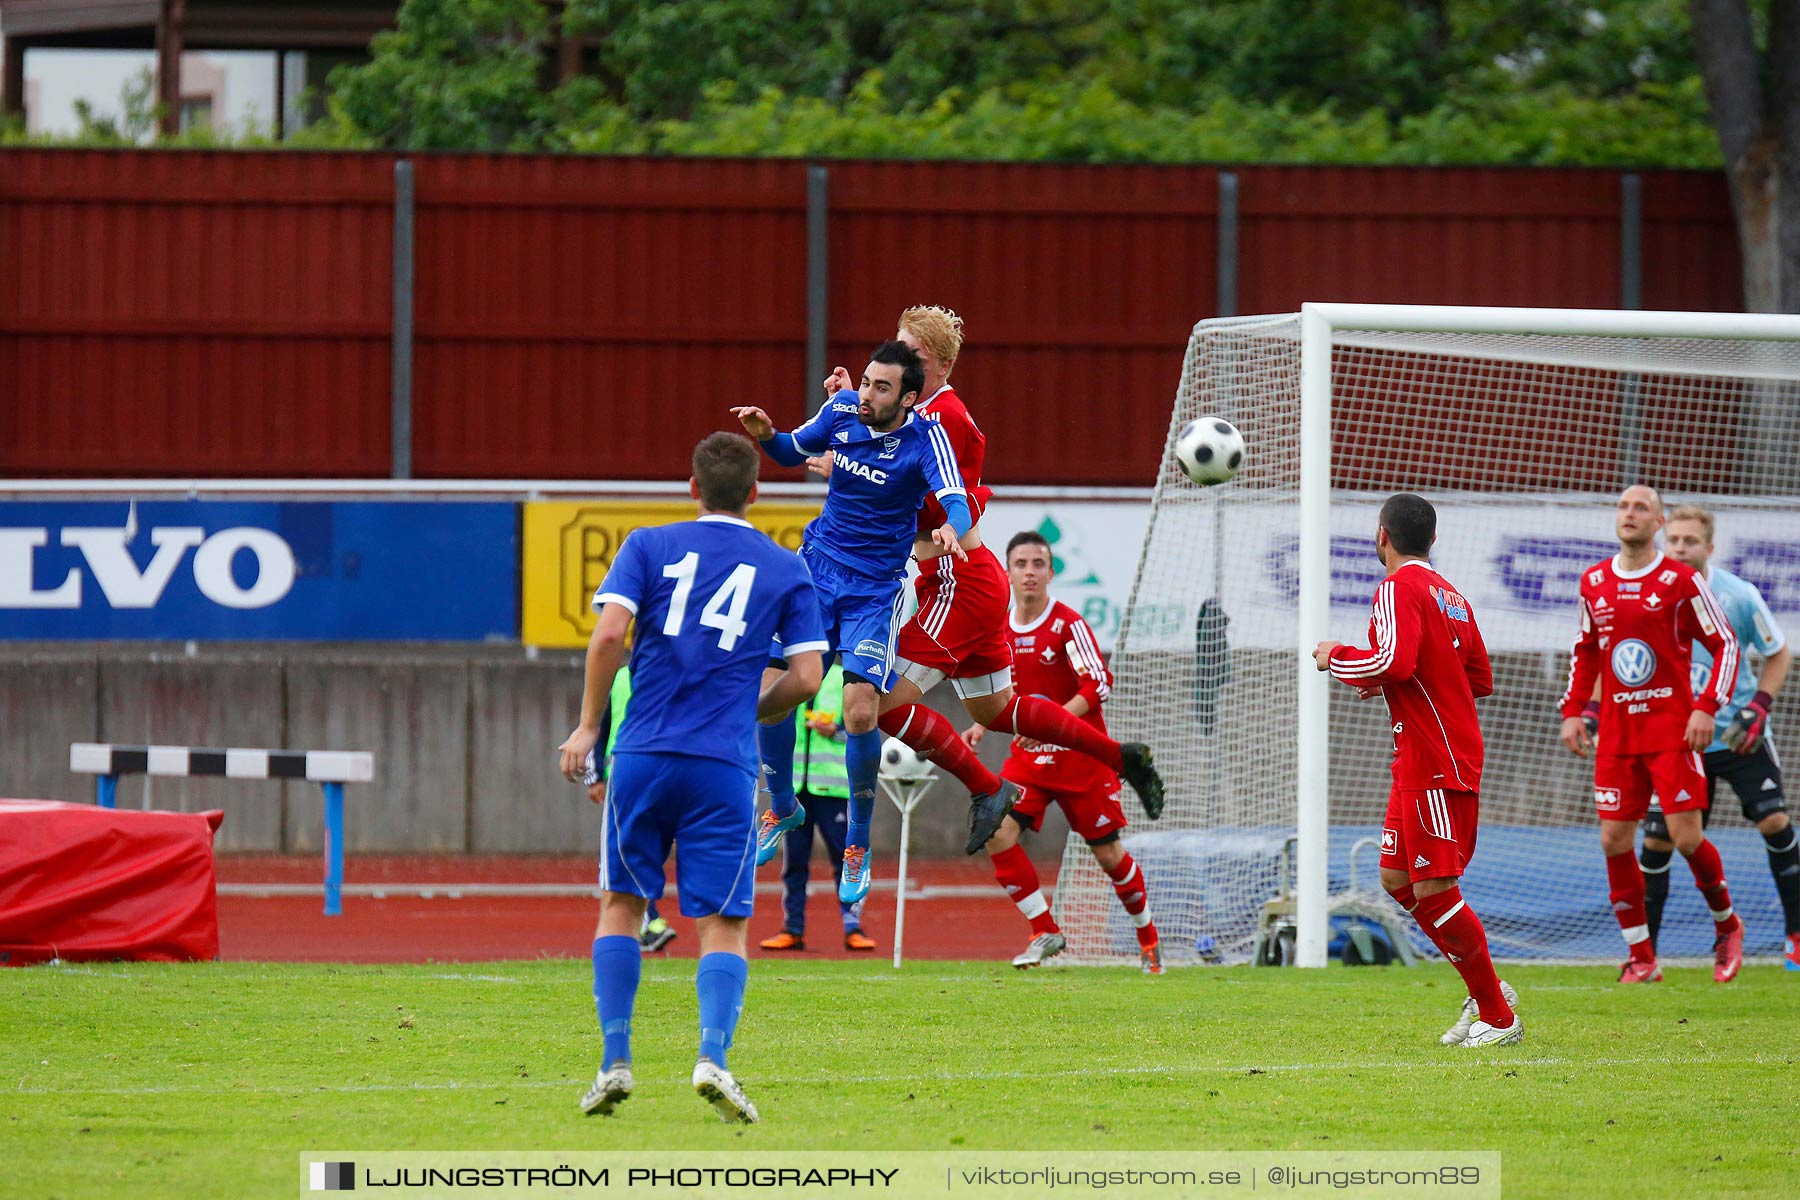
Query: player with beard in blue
(887,461)
(707,596)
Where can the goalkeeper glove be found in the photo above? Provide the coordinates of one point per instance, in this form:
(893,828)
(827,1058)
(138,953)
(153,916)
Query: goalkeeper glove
(1745,733)
(1590,716)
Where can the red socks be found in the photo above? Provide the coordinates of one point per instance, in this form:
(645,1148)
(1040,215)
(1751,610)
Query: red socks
(935,738)
(1709,877)
(1625,879)
(1039,719)
(1449,921)
(1032,716)
(1012,867)
(1128,884)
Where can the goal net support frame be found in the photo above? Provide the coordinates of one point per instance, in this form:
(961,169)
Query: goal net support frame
(1318,322)
(1463,387)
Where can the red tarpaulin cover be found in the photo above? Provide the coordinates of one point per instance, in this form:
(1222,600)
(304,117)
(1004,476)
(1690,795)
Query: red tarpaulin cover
(82,882)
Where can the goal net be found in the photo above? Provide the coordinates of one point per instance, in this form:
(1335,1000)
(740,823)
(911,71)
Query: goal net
(1521,427)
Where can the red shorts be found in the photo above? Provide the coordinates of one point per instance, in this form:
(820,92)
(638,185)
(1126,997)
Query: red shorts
(960,628)
(1429,834)
(1092,815)
(1623,784)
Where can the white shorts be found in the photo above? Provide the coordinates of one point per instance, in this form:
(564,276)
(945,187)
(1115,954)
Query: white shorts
(973,688)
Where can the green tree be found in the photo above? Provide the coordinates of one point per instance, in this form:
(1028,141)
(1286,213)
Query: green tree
(452,75)
(1506,81)
(1753,84)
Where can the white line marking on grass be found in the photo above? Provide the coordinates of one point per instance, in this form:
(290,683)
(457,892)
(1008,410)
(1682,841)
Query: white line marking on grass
(1447,1063)
(62,968)
(453,1086)
(1450,1061)
(461,891)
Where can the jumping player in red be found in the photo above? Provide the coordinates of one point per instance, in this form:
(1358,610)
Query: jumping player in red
(1427,659)
(959,632)
(1056,657)
(1641,613)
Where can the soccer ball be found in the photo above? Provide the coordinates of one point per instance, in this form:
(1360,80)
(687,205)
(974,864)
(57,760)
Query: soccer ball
(1210,450)
(899,763)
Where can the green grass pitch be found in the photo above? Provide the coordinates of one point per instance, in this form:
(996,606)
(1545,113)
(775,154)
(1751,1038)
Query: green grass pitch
(205,1080)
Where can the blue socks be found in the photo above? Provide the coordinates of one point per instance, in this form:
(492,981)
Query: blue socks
(776,743)
(719,981)
(862,759)
(617,965)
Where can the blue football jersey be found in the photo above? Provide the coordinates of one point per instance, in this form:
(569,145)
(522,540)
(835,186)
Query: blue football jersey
(1756,630)
(708,596)
(877,484)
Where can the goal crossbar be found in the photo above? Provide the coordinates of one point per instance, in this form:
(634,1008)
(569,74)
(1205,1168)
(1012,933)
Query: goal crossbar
(1567,322)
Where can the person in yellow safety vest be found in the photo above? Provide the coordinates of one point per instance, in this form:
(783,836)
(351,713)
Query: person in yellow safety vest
(822,783)
(656,933)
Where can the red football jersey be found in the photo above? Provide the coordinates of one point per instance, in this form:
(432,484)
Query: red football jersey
(1427,657)
(1057,657)
(970,446)
(1637,634)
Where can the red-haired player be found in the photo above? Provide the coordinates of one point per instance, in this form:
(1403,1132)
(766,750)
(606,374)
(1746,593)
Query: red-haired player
(1056,657)
(1427,659)
(1641,613)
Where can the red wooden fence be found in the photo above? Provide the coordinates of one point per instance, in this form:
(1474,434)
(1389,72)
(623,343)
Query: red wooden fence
(207,314)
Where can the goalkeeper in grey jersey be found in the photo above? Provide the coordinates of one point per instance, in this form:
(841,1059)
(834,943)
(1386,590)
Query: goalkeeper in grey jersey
(1743,753)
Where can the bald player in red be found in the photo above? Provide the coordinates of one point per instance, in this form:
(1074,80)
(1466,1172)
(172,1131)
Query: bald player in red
(1641,613)
(1427,660)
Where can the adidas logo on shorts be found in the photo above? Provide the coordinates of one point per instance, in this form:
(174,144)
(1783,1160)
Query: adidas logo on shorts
(1421,861)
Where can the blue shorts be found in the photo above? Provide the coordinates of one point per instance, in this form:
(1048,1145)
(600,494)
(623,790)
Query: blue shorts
(862,618)
(703,806)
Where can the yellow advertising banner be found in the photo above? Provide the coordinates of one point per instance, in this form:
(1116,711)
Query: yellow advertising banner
(569,545)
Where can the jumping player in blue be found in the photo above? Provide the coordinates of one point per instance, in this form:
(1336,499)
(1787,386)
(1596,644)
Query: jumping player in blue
(887,460)
(708,596)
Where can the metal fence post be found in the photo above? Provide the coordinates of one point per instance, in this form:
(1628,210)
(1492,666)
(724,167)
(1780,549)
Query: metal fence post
(401,417)
(1228,244)
(1631,295)
(818,281)
(1631,241)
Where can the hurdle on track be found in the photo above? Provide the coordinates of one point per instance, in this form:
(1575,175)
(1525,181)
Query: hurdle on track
(331,769)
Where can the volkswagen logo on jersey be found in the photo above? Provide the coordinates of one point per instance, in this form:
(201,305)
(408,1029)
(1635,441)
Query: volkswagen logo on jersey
(1633,663)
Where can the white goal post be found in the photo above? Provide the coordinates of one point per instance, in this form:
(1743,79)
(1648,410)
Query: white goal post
(1509,420)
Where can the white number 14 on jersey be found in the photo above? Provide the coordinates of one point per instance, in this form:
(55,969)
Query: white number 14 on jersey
(724,612)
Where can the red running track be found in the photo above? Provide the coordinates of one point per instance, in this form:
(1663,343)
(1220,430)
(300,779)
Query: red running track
(455,909)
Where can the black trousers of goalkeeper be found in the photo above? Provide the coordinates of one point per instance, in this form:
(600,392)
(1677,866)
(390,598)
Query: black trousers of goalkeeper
(1755,779)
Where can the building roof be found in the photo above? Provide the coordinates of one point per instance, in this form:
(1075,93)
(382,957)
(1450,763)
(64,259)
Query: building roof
(204,24)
